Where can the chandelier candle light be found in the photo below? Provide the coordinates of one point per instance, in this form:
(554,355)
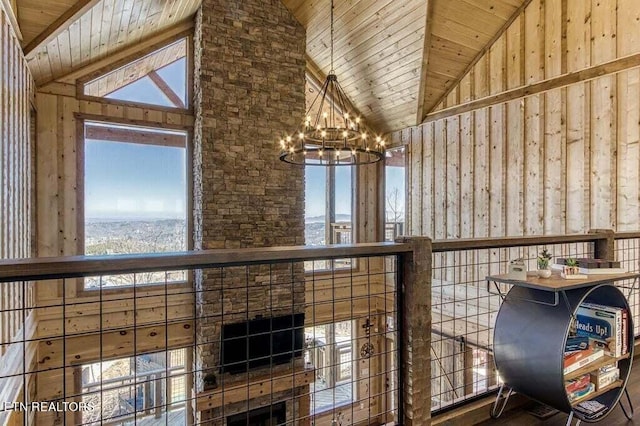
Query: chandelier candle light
(332,136)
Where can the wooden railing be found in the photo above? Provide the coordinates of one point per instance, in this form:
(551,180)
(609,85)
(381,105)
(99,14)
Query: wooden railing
(75,328)
(463,310)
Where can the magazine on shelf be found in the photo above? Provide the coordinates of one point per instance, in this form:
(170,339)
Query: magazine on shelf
(591,409)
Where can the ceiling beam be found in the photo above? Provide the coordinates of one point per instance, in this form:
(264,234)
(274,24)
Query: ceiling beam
(481,53)
(125,54)
(137,135)
(422,90)
(563,80)
(166,89)
(137,69)
(316,78)
(62,23)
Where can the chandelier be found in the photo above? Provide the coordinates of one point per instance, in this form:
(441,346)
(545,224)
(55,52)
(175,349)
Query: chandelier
(330,134)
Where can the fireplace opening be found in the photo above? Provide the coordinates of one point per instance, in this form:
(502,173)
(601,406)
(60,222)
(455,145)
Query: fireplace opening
(273,415)
(261,342)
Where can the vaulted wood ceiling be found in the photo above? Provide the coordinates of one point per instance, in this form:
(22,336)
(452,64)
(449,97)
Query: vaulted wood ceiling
(73,33)
(395,59)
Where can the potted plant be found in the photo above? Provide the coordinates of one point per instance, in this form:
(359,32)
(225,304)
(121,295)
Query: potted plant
(570,267)
(543,264)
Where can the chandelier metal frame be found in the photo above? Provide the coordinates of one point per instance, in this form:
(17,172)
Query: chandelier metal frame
(330,134)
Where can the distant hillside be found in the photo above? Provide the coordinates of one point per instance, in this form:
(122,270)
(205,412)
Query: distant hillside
(118,236)
(316,219)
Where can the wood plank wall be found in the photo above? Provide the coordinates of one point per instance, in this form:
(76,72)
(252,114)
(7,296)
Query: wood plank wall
(57,190)
(16,210)
(564,160)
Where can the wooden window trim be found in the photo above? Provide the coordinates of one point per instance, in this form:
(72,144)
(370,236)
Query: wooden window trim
(186,35)
(81,291)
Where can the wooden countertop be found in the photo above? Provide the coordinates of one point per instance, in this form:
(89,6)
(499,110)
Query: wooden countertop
(556,283)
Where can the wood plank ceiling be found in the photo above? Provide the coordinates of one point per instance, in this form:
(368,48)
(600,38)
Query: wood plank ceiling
(380,49)
(104,28)
(391,72)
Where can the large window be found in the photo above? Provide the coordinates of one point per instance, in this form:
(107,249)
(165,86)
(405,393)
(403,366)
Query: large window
(394,193)
(135,196)
(330,349)
(149,388)
(328,210)
(159,78)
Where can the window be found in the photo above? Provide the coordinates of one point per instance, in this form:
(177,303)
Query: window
(150,388)
(159,78)
(328,210)
(330,349)
(394,193)
(135,196)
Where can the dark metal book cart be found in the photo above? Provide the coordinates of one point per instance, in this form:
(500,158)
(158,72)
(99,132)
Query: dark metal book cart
(531,332)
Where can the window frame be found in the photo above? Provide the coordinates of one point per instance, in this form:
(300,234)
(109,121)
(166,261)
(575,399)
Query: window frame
(81,120)
(329,218)
(112,67)
(331,358)
(185,374)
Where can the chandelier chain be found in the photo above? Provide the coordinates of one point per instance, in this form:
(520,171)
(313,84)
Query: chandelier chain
(331,71)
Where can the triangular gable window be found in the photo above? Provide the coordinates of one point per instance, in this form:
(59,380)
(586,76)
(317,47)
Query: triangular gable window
(159,78)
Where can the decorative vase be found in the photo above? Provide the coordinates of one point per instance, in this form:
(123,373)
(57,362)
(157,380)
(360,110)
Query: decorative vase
(544,273)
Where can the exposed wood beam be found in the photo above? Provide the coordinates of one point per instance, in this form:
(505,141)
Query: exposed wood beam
(59,25)
(133,73)
(126,54)
(612,67)
(425,61)
(165,89)
(316,78)
(485,49)
(135,135)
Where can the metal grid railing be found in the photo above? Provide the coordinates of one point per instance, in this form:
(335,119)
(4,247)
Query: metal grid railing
(627,252)
(464,313)
(315,348)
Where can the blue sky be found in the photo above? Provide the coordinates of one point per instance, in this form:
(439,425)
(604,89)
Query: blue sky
(133,181)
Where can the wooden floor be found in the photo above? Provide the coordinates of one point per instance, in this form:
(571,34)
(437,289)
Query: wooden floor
(522,418)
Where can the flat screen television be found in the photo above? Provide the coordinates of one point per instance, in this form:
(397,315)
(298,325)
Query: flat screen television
(261,342)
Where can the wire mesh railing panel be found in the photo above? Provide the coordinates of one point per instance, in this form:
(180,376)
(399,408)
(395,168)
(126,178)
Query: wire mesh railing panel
(260,343)
(627,252)
(464,311)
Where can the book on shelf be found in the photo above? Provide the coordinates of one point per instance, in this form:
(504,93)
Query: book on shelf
(602,378)
(601,271)
(602,325)
(581,393)
(578,384)
(576,343)
(578,359)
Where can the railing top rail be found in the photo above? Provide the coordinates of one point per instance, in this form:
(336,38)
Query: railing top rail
(85,266)
(626,235)
(502,242)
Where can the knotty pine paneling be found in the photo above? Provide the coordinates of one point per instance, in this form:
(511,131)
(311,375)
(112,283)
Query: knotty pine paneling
(563,160)
(16,209)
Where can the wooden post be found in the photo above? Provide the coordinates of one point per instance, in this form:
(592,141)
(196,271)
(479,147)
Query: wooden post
(605,246)
(414,271)
(158,402)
